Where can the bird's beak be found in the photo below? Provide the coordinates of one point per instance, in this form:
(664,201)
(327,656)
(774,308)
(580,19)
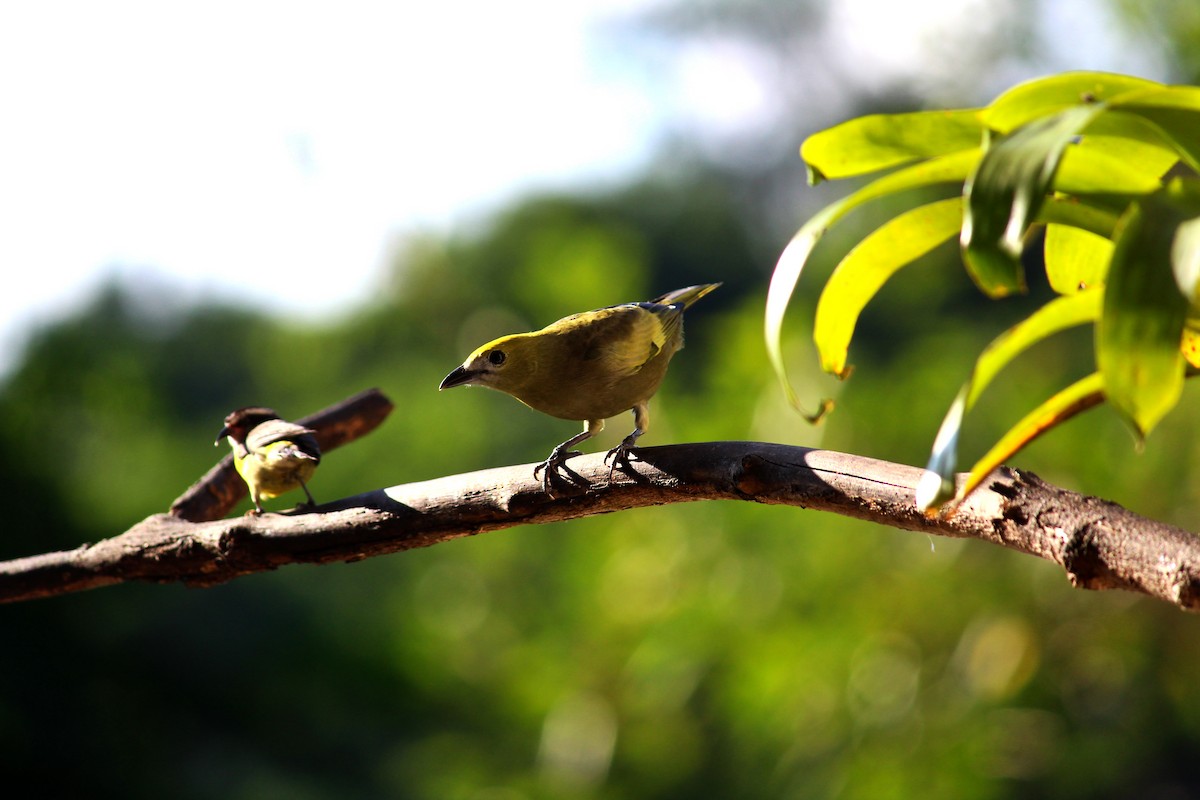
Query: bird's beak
(457,378)
(221,436)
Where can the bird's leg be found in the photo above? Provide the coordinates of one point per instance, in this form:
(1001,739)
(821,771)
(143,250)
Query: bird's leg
(312,503)
(561,453)
(620,453)
(258,509)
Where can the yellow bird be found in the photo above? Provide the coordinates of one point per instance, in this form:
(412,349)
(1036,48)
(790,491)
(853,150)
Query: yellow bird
(588,367)
(271,455)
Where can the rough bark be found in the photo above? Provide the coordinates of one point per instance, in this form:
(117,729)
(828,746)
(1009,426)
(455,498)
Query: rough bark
(1100,545)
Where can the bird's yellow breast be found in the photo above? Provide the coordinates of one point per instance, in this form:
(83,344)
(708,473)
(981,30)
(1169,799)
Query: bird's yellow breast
(275,469)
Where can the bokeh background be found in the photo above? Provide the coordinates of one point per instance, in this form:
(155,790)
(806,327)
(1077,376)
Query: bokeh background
(212,206)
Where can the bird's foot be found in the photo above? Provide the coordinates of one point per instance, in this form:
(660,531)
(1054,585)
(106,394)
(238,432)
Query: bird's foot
(621,454)
(551,466)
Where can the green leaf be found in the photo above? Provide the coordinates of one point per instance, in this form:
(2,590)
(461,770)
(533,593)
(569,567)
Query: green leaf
(1042,97)
(1075,258)
(879,141)
(1116,124)
(937,485)
(943,169)
(1078,213)
(1006,192)
(1185,250)
(1149,158)
(1175,112)
(1185,260)
(1076,398)
(1106,165)
(1140,332)
(865,269)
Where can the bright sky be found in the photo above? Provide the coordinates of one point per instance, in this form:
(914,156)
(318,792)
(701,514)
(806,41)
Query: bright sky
(263,150)
(274,151)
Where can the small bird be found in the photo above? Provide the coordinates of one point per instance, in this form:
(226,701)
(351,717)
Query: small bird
(271,455)
(588,366)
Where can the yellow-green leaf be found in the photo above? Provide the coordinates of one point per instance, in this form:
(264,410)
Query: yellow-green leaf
(1150,158)
(1191,347)
(1078,213)
(1139,334)
(1132,128)
(1078,397)
(937,485)
(943,169)
(1173,110)
(1097,165)
(1185,260)
(865,269)
(1075,258)
(1057,315)
(879,141)
(1007,190)
(1042,97)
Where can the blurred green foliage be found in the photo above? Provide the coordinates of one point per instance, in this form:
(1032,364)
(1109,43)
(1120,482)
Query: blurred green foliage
(714,650)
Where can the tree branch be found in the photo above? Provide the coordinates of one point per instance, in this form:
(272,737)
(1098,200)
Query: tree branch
(1100,545)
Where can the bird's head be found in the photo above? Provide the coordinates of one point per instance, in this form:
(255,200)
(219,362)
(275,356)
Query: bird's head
(506,364)
(238,424)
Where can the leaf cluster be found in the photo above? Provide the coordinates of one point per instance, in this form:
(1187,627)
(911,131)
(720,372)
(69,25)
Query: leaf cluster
(1106,164)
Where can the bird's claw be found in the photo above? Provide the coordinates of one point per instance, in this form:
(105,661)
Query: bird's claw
(619,455)
(555,460)
(551,465)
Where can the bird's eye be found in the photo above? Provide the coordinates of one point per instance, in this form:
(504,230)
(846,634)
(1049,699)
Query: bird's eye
(496,357)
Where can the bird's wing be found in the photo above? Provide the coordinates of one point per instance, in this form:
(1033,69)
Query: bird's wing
(625,337)
(277,430)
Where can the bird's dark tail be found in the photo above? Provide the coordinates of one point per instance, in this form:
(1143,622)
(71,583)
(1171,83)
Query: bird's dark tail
(685,297)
